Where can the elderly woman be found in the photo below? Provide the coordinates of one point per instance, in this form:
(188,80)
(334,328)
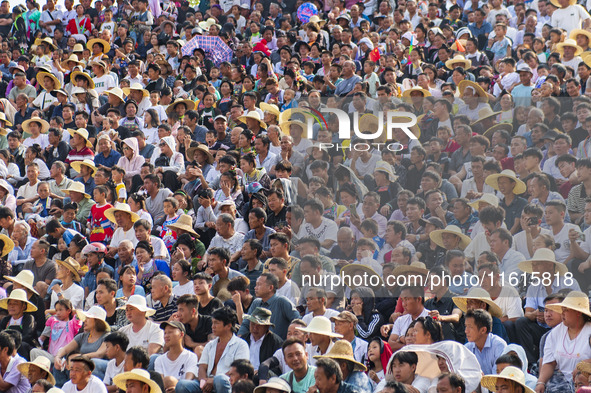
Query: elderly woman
(147,265)
(131,161)
(143,230)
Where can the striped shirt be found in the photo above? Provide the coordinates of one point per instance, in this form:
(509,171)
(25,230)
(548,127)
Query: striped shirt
(163,313)
(576,199)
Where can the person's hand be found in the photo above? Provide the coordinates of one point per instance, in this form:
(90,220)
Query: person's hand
(540,316)
(342,263)
(312,389)
(210,224)
(573,235)
(357,309)
(540,388)
(434,314)
(440,212)
(385,330)
(57,363)
(177,255)
(386,210)
(411,238)
(56,288)
(373,376)
(225,186)
(140,268)
(584,266)
(236,298)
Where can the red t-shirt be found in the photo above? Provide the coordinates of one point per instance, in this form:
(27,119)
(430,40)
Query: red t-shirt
(101,229)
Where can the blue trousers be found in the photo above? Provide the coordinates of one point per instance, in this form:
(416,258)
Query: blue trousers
(221,384)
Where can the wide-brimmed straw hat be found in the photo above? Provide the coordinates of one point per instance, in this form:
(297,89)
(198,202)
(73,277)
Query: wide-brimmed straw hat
(201,147)
(185,223)
(172,107)
(120,207)
(274,383)
(575,300)
(493,181)
(71,58)
(437,236)
(25,278)
(478,293)
(271,108)
(509,373)
(83,132)
(138,87)
(76,186)
(77,165)
(21,296)
(41,362)
(5,120)
(99,63)
(356,269)
(479,91)
(85,76)
(316,19)
(44,124)
(384,166)
(342,350)
(105,44)
(117,92)
(46,41)
(137,374)
(543,255)
(320,325)
(557,4)
(72,265)
(8,245)
(414,268)
(97,313)
(253,115)
(260,316)
(406,93)
(569,42)
(138,302)
(491,199)
(498,127)
(485,113)
(576,32)
(584,367)
(286,126)
(41,78)
(416,130)
(458,59)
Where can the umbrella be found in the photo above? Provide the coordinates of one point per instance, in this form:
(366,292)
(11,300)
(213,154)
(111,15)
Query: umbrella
(213,46)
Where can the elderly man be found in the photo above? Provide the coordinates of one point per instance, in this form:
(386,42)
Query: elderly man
(349,79)
(141,331)
(262,342)
(344,324)
(23,242)
(288,153)
(77,194)
(36,370)
(121,215)
(161,299)
(59,182)
(43,269)
(226,236)
(353,370)
(125,256)
(81,378)
(28,191)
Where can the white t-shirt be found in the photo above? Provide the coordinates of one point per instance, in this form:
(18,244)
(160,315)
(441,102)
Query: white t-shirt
(185,289)
(303,145)
(75,294)
(561,238)
(566,352)
(509,302)
(291,291)
(44,100)
(149,334)
(569,18)
(328,314)
(586,245)
(403,322)
(103,83)
(119,235)
(520,242)
(94,385)
(41,140)
(185,363)
(46,17)
(326,230)
(112,370)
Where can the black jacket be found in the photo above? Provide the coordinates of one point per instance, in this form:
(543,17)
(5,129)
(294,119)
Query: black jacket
(271,343)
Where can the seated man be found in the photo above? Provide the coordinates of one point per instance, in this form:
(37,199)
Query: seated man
(262,342)
(177,363)
(486,346)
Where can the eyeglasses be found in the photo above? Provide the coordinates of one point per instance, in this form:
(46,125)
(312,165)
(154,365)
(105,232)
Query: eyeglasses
(162,144)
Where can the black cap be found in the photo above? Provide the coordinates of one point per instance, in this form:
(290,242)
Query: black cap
(174,324)
(435,221)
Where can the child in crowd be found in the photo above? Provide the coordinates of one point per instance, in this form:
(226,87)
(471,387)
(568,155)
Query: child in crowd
(170,209)
(101,229)
(116,344)
(118,175)
(60,328)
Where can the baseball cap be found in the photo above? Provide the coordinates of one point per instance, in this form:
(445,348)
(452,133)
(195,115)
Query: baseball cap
(345,316)
(174,324)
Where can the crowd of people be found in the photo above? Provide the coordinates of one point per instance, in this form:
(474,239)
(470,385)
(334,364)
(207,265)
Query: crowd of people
(181,210)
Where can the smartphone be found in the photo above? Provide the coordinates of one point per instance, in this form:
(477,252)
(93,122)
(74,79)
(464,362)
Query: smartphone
(353,210)
(532,221)
(582,237)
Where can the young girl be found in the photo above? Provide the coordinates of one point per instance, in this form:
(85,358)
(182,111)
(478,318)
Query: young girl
(150,127)
(101,229)
(137,203)
(181,272)
(170,209)
(246,142)
(207,112)
(128,278)
(60,328)
(20,317)
(62,249)
(378,354)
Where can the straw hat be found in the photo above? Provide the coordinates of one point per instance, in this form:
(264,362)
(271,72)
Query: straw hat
(413,268)
(74,74)
(478,293)
(371,123)
(271,108)
(485,113)
(77,165)
(404,119)
(117,92)
(99,63)
(76,186)
(286,126)
(83,132)
(575,300)
(136,86)
(557,4)
(5,120)
(479,91)
(72,58)
(320,325)
(43,123)
(569,42)
(576,32)
(260,316)
(46,41)
(138,302)
(500,126)
(21,296)
(458,59)
(584,367)
(78,48)
(201,147)
(8,245)
(406,93)
(253,115)
(491,199)
(357,269)
(42,362)
(437,236)
(95,312)
(493,181)
(205,25)
(105,44)
(72,265)
(316,19)
(274,383)
(543,255)
(185,223)
(384,166)
(25,278)
(172,107)
(343,350)
(120,207)
(510,374)
(137,374)
(41,78)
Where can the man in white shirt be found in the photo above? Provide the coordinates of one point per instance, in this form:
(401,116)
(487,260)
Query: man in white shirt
(116,343)
(316,301)
(501,241)
(570,16)
(81,378)
(554,213)
(413,299)
(317,226)
(141,331)
(344,324)
(177,363)
(531,218)
(50,18)
(279,268)
(504,296)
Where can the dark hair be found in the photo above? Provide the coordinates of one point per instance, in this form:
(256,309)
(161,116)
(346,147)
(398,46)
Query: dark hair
(146,246)
(139,355)
(455,381)
(109,283)
(243,367)
(431,326)
(255,245)
(510,359)
(227,316)
(330,368)
(220,252)
(492,214)
(203,276)
(6,341)
(118,338)
(482,318)
(405,357)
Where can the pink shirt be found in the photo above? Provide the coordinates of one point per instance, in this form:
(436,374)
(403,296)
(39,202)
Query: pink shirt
(62,332)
